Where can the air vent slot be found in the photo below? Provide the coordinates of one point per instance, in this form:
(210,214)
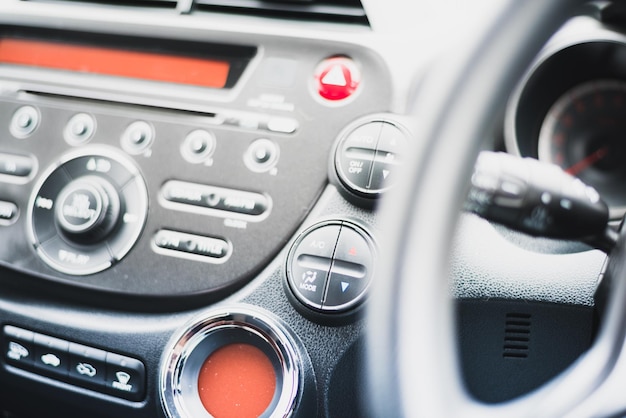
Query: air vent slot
(169,4)
(516,335)
(341,11)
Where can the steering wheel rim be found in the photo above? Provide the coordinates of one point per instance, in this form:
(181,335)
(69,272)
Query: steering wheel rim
(412,360)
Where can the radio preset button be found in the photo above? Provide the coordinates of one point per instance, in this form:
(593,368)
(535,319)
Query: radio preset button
(262,155)
(106,167)
(198,147)
(24,122)
(133,217)
(137,138)
(80,129)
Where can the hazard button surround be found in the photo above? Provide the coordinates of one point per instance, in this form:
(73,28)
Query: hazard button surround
(330,266)
(337,79)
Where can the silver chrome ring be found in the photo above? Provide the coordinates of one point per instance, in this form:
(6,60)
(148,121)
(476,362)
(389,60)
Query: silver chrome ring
(202,336)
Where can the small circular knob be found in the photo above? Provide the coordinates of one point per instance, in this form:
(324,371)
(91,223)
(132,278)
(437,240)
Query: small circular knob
(88,209)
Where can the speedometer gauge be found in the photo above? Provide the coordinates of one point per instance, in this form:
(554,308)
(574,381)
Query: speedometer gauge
(584,132)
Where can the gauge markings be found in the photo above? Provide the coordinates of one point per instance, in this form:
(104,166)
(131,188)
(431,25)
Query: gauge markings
(584,132)
(589,160)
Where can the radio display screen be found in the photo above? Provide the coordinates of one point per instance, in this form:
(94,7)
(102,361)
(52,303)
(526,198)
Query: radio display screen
(112,61)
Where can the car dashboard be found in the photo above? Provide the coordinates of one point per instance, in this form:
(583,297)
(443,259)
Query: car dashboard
(194,184)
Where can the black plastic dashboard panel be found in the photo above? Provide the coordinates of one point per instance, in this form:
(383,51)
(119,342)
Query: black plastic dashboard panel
(251,211)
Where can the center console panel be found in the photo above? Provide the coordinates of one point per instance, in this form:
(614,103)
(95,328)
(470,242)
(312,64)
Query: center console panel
(155,188)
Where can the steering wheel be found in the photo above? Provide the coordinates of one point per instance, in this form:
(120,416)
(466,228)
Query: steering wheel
(412,351)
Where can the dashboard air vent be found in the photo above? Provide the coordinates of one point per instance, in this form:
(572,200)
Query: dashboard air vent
(341,11)
(170,4)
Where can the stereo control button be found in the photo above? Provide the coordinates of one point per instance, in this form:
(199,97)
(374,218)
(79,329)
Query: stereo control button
(8,212)
(137,138)
(192,246)
(88,212)
(74,260)
(16,165)
(132,218)
(43,206)
(79,129)
(106,167)
(198,146)
(24,122)
(214,200)
(88,208)
(262,155)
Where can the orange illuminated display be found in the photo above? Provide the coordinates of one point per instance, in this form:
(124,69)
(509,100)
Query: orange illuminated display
(115,62)
(237,381)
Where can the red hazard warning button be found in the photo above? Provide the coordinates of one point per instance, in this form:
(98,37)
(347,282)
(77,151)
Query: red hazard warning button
(337,78)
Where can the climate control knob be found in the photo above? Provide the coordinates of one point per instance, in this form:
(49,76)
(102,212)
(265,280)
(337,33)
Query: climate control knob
(87,209)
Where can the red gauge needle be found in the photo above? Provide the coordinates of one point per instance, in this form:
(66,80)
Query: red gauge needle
(588,161)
